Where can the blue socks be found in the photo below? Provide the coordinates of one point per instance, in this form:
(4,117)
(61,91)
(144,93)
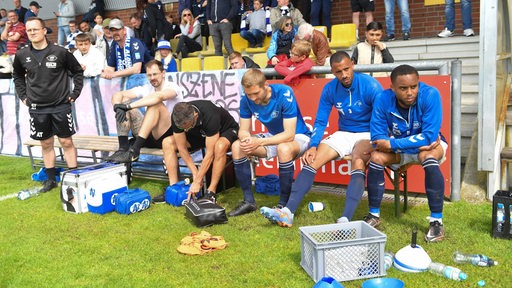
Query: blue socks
(355,191)
(286,171)
(243,175)
(375,187)
(434,186)
(301,186)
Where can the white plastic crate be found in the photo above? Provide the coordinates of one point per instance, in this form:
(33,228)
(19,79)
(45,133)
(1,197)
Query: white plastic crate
(345,251)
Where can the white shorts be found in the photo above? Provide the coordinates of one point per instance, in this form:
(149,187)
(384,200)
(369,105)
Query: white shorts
(413,158)
(343,142)
(302,139)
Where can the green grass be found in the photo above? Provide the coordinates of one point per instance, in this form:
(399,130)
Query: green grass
(43,246)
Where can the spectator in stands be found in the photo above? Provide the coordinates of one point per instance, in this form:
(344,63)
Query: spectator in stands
(372,50)
(98,25)
(319,43)
(237,61)
(66,13)
(403,6)
(73,31)
(32,11)
(321,10)
(153,20)
(359,6)
(172,29)
(152,128)
(14,34)
(257,23)
(285,8)
(3,20)
(281,42)
(20,10)
(203,124)
(90,58)
(275,106)
(84,27)
(297,65)
(182,5)
(467,20)
(45,87)
(398,143)
(218,15)
(353,96)
(163,54)
(190,36)
(127,55)
(104,43)
(199,9)
(96,6)
(141,31)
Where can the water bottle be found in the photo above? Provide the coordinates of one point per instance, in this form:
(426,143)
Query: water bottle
(28,193)
(475,259)
(447,271)
(510,218)
(500,217)
(389,257)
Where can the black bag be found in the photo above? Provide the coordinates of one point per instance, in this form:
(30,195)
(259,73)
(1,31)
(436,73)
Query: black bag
(204,212)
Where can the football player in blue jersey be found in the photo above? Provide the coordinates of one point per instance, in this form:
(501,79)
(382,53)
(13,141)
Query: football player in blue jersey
(275,106)
(405,129)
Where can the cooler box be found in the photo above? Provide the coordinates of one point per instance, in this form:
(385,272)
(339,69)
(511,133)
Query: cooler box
(93,188)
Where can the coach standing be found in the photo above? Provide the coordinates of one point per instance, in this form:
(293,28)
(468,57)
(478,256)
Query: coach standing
(40,73)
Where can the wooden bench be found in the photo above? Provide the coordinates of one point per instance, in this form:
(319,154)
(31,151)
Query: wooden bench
(506,159)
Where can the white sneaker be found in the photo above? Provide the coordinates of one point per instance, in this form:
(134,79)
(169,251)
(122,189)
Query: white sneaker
(342,220)
(469,32)
(445,33)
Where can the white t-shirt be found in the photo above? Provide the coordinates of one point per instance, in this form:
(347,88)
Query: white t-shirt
(143,91)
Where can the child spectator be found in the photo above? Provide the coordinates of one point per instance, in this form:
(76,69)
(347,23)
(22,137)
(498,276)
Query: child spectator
(281,42)
(90,58)
(98,26)
(299,63)
(257,22)
(163,54)
(372,51)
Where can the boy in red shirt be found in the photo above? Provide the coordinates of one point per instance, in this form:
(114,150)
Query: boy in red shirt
(299,63)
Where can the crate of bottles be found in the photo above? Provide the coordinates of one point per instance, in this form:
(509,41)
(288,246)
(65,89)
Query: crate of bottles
(502,214)
(344,251)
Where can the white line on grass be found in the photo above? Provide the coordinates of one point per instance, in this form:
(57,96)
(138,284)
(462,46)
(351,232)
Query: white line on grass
(8,196)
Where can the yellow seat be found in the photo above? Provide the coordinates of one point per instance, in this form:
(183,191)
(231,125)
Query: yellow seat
(343,36)
(191,64)
(197,53)
(260,59)
(322,29)
(214,63)
(174,44)
(239,43)
(266,44)
(210,50)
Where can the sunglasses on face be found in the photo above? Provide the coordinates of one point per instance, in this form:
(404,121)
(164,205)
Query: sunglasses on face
(288,24)
(185,15)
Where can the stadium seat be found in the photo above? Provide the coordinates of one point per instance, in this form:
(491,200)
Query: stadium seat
(260,59)
(174,44)
(210,51)
(322,29)
(239,43)
(343,36)
(266,44)
(204,46)
(191,64)
(214,63)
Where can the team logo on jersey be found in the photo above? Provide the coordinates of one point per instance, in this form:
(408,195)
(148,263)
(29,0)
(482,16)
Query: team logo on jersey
(396,131)
(136,46)
(339,105)
(416,125)
(275,114)
(28,59)
(256,115)
(288,96)
(52,58)
(358,103)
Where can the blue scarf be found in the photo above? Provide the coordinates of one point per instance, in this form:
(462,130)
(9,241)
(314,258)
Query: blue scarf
(126,62)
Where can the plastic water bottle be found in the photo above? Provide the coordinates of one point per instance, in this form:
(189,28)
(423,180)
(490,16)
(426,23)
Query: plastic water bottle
(500,217)
(389,257)
(475,259)
(28,193)
(447,271)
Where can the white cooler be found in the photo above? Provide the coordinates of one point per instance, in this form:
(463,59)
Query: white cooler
(93,188)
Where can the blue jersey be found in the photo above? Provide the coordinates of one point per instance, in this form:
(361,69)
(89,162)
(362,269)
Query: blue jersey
(354,105)
(422,127)
(138,53)
(282,105)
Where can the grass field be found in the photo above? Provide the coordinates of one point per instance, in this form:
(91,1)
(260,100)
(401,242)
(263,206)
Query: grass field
(43,246)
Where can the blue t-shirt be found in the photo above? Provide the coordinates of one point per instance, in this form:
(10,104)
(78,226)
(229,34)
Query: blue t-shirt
(282,105)
(138,53)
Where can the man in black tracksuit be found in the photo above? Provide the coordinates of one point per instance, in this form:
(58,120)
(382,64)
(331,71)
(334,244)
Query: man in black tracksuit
(40,73)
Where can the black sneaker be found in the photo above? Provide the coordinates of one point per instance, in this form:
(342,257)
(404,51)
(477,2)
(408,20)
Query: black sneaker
(374,221)
(391,37)
(159,199)
(210,196)
(48,185)
(435,232)
(125,157)
(243,207)
(112,158)
(406,36)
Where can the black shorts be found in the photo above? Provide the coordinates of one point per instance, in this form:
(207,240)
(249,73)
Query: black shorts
(362,5)
(151,142)
(197,141)
(46,125)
